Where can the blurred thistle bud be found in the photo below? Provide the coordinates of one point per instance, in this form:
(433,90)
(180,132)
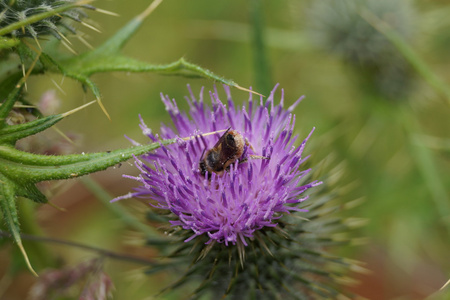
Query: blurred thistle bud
(338,27)
(59,284)
(12,11)
(237,203)
(49,103)
(42,143)
(99,288)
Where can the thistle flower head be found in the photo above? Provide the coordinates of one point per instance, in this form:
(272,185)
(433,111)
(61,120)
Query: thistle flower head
(229,202)
(254,197)
(338,27)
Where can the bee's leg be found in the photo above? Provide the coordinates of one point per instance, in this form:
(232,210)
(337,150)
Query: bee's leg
(258,157)
(247,143)
(243,160)
(203,153)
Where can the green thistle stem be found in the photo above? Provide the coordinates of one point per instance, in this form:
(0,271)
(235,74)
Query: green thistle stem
(427,166)
(261,64)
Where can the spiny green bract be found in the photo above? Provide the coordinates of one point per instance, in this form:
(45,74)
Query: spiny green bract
(290,261)
(12,11)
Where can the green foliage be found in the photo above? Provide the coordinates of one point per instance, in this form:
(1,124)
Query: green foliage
(107,58)
(21,171)
(396,154)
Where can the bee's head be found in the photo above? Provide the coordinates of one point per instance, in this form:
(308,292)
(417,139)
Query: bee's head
(230,140)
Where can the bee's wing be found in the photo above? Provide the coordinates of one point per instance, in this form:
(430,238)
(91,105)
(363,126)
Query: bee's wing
(203,153)
(221,138)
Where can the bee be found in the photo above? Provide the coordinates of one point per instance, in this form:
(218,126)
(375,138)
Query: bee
(228,149)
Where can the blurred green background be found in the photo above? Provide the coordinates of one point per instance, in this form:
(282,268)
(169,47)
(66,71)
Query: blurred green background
(385,127)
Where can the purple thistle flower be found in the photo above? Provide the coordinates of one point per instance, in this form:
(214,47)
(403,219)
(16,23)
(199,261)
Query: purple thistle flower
(253,193)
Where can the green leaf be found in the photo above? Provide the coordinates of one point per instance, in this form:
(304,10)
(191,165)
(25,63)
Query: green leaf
(9,211)
(27,168)
(8,83)
(8,104)
(13,92)
(107,58)
(13,133)
(19,170)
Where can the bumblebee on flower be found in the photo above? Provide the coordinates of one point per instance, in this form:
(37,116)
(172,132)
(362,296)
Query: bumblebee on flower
(242,195)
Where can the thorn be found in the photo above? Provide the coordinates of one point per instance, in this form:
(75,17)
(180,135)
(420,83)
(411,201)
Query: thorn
(78,108)
(90,26)
(27,261)
(241,252)
(203,134)
(38,52)
(443,287)
(31,46)
(68,47)
(106,12)
(56,206)
(149,10)
(3,13)
(86,43)
(63,135)
(22,106)
(84,2)
(24,75)
(57,86)
(103,108)
(62,36)
(37,42)
(248,90)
